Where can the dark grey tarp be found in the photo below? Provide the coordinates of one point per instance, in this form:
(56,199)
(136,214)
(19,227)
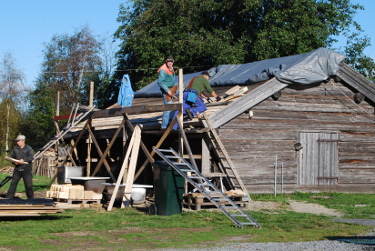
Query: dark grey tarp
(308,68)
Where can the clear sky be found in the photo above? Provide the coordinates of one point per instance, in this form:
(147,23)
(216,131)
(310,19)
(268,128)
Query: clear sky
(26,25)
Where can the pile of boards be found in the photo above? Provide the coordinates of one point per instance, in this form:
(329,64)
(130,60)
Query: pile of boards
(27,207)
(72,193)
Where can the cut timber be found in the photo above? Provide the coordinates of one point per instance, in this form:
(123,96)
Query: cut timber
(248,101)
(197,201)
(27,208)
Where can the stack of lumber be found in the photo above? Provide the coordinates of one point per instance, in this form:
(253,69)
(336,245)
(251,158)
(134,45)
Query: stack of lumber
(28,207)
(72,193)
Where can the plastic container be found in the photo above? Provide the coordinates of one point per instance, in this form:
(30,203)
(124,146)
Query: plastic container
(168,190)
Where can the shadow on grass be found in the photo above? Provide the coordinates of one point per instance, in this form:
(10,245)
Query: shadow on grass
(363,240)
(27,218)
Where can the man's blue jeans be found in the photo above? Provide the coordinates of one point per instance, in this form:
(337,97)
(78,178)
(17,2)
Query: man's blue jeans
(167,115)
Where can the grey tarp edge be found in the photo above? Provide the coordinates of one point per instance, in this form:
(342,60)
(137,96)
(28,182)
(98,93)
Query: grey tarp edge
(312,67)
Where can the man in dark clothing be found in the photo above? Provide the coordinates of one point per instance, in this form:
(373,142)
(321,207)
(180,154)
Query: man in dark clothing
(24,154)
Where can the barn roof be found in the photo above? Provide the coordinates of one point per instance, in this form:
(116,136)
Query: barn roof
(266,77)
(312,67)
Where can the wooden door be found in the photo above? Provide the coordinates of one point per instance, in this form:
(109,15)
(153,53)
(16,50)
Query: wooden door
(318,159)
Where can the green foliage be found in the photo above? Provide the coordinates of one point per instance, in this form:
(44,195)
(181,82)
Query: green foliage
(12,101)
(71,62)
(201,34)
(15,119)
(38,124)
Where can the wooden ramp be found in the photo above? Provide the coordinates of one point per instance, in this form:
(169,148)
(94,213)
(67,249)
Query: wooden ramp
(27,207)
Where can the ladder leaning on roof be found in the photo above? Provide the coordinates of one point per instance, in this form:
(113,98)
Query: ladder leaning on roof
(73,121)
(224,162)
(234,212)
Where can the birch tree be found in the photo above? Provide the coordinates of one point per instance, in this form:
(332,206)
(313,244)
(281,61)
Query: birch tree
(13,90)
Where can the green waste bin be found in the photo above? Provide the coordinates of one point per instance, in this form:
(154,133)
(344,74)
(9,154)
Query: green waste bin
(168,190)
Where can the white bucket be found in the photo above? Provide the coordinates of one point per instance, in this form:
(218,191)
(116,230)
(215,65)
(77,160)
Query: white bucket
(138,195)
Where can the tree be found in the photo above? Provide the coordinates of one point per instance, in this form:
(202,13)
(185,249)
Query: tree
(13,91)
(70,63)
(204,33)
(105,94)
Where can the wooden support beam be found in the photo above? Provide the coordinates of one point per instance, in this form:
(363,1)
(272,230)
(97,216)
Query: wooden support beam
(101,153)
(163,137)
(144,148)
(71,150)
(102,158)
(124,165)
(129,179)
(135,110)
(186,143)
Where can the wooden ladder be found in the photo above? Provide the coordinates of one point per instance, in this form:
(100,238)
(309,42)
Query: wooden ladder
(224,162)
(74,119)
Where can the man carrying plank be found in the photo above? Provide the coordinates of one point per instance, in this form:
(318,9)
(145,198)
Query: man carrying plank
(22,154)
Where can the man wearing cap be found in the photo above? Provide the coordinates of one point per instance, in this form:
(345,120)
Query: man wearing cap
(24,154)
(193,95)
(166,82)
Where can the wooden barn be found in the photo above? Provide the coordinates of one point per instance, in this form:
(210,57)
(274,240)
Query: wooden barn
(298,123)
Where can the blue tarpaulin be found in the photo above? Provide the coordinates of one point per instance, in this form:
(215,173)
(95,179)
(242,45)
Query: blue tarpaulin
(126,93)
(308,68)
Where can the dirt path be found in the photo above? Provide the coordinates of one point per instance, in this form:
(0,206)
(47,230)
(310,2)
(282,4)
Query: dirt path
(300,207)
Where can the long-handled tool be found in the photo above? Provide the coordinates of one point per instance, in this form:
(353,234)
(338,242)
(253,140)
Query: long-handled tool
(8,178)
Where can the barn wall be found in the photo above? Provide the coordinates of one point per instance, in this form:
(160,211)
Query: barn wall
(254,144)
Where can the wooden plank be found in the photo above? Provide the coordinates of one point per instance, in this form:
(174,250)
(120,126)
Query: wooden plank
(131,170)
(357,81)
(122,170)
(135,110)
(248,101)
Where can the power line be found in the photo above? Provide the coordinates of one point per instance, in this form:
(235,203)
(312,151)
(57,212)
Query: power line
(124,70)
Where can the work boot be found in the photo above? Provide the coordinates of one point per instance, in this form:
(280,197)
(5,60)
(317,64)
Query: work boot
(189,114)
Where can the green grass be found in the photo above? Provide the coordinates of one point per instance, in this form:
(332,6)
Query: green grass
(40,183)
(130,228)
(98,228)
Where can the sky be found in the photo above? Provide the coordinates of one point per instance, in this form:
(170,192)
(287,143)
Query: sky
(27,25)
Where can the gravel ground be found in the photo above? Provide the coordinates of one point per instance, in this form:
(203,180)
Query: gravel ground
(363,243)
(292,246)
(327,245)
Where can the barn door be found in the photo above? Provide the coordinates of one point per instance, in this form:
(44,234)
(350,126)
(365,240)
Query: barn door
(318,159)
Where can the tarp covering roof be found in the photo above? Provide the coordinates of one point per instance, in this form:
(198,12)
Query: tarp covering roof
(308,68)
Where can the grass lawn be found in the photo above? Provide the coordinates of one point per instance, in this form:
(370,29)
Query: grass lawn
(131,228)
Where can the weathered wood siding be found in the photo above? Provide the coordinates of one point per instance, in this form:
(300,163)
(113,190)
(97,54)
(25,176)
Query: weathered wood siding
(255,143)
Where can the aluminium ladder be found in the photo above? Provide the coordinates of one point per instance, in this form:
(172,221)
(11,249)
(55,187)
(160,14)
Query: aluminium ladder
(73,121)
(234,212)
(224,162)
